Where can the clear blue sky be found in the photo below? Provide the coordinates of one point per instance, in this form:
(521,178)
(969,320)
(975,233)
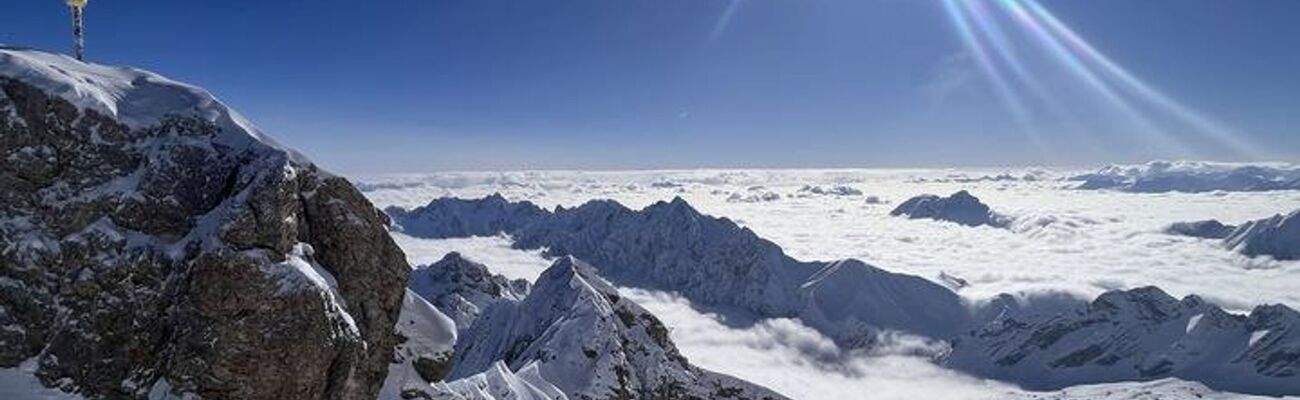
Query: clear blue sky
(403,86)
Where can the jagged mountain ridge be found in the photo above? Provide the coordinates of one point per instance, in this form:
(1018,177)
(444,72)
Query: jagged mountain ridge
(1277,236)
(571,334)
(1191,177)
(588,229)
(1137,335)
(155,241)
(712,261)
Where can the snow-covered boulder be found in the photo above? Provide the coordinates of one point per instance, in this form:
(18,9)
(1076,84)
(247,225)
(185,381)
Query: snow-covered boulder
(155,241)
(575,332)
(1135,335)
(1187,176)
(712,261)
(1277,236)
(961,208)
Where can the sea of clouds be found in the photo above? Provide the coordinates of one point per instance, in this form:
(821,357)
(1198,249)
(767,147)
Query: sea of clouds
(1063,240)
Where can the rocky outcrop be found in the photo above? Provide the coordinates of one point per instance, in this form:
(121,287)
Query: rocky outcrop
(152,238)
(463,289)
(1208,229)
(1137,335)
(961,208)
(575,332)
(713,261)
(1277,236)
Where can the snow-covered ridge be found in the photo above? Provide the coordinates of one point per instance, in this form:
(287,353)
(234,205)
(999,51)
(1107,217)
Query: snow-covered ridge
(1137,335)
(574,336)
(133,97)
(1277,236)
(1193,176)
(712,261)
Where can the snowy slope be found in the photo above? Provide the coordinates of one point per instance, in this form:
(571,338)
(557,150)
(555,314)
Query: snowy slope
(424,355)
(1140,334)
(671,246)
(575,334)
(1185,176)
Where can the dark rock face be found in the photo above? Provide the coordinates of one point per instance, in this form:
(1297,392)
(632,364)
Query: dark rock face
(961,207)
(1208,229)
(1139,334)
(1277,236)
(186,255)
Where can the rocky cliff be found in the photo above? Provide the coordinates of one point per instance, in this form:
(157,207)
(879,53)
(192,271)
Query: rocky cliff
(151,239)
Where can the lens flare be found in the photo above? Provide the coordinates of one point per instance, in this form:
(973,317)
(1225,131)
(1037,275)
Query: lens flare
(986,64)
(1128,81)
(1004,53)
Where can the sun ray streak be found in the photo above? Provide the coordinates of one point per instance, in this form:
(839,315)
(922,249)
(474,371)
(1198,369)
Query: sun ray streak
(724,20)
(1004,90)
(1215,130)
(1006,51)
(1080,69)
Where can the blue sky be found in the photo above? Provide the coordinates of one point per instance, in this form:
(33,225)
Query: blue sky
(405,86)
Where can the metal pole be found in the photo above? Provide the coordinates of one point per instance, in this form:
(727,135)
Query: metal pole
(78,33)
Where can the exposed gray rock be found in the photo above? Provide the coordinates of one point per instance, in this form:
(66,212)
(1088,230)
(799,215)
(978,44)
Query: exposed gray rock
(161,241)
(961,207)
(462,289)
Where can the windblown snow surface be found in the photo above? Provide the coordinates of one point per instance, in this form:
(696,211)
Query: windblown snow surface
(1059,239)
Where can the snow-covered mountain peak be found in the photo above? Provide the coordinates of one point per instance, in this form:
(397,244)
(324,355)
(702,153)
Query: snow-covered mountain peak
(578,334)
(136,98)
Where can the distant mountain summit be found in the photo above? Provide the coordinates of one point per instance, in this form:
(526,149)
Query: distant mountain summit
(671,246)
(960,207)
(156,243)
(1191,177)
(1277,236)
(1139,334)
